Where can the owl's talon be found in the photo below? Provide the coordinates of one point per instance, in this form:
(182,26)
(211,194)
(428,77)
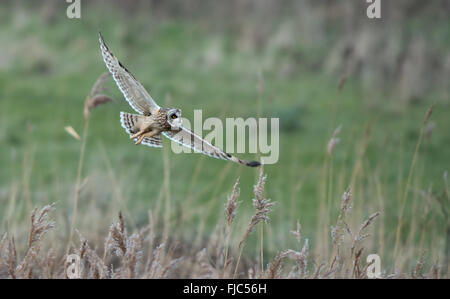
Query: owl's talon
(140,139)
(136,135)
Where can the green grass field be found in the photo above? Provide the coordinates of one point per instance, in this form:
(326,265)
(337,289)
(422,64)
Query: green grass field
(47,70)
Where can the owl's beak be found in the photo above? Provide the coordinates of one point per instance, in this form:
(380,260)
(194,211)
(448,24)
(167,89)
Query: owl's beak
(176,124)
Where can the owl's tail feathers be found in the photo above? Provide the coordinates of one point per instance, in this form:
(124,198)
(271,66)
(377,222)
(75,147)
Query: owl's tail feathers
(129,122)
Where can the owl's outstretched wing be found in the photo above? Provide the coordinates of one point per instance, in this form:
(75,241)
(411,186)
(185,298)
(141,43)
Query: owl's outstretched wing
(187,138)
(133,91)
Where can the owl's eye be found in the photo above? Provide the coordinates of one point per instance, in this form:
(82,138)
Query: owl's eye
(173,116)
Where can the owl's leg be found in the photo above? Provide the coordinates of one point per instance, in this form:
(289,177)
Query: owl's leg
(148,134)
(137,134)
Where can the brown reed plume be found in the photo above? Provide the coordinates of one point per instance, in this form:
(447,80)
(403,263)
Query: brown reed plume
(27,268)
(124,252)
(93,99)
(300,257)
(230,213)
(262,208)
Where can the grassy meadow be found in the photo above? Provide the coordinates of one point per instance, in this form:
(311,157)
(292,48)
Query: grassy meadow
(392,161)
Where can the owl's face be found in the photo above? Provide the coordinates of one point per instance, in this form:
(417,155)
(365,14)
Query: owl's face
(174,118)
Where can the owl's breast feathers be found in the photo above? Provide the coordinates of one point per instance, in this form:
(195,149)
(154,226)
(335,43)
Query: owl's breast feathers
(161,119)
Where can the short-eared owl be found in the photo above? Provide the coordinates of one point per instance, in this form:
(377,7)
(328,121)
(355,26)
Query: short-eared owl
(153,120)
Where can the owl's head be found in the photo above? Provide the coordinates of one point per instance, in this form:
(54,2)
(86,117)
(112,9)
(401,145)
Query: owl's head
(174,118)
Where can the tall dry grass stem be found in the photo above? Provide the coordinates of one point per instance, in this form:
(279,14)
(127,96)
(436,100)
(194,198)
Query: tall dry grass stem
(408,182)
(93,99)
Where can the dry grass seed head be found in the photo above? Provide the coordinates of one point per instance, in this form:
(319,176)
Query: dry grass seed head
(334,140)
(95,99)
(206,270)
(262,206)
(232,203)
(275,267)
(117,238)
(39,225)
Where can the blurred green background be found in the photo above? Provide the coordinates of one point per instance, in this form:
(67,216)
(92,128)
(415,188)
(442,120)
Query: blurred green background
(224,57)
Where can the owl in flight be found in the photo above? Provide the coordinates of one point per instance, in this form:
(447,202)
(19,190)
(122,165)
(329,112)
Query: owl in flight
(154,121)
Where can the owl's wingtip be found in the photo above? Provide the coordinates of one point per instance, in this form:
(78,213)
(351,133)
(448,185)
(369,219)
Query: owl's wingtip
(100,38)
(254,164)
